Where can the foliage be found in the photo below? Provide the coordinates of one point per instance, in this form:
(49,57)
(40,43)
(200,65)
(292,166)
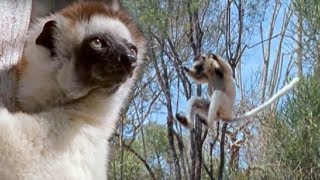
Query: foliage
(310,10)
(132,168)
(294,151)
(153,147)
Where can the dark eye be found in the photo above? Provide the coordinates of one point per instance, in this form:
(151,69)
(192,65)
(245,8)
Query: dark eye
(133,49)
(97,43)
(198,68)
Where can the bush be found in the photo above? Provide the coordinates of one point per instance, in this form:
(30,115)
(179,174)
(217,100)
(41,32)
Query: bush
(296,133)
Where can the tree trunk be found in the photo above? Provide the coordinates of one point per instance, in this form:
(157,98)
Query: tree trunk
(195,38)
(267,50)
(164,79)
(15,16)
(299,47)
(222,152)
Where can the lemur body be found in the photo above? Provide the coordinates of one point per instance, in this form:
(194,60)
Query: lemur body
(77,71)
(217,74)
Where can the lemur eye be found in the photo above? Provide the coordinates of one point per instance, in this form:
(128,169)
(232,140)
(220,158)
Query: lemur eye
(198,68)
(133,49)
(97,43)
(203,57)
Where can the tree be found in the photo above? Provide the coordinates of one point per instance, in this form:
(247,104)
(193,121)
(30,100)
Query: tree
(309,10)
(14,23)
(308,15)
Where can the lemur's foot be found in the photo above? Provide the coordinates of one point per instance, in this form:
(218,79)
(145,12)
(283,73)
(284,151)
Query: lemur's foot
(186,69)
(182,119)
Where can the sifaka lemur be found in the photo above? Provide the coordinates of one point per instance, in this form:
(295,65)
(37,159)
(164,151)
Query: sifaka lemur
(77,70)
(217,73)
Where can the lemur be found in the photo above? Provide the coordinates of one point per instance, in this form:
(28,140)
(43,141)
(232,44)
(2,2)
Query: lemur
(77,70)
(217,73)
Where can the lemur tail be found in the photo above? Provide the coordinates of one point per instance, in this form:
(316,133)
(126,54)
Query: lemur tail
(251,113)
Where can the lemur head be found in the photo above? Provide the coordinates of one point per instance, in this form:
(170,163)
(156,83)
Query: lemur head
(83,47)
(203,68)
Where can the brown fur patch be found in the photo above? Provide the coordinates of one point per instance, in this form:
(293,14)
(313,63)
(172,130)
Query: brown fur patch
(75,116)
(19,68)
(219,73)
(83,11)
(182,119)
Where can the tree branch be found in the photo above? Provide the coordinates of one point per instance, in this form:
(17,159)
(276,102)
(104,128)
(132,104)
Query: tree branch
(152,175)
(222,158)
(14,24)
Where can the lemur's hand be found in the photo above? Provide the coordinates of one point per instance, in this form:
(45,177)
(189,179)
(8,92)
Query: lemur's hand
(214,57)
(186,69)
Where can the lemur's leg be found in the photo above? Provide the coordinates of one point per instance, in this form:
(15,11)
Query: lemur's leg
(199,106)
(196,106)
(219,107)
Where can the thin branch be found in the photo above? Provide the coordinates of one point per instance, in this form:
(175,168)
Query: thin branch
(207,170)
(152,175)
(268,39)
(212,146)
(222,154)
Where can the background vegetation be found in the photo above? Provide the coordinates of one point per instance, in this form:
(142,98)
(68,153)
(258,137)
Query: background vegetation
(266,43)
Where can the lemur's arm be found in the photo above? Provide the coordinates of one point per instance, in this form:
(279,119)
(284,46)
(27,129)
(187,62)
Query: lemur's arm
(189,71)
(225,67)
(199,79)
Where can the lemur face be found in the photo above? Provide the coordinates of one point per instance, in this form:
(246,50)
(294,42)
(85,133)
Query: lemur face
(202,68)
(105,60)
(97,46)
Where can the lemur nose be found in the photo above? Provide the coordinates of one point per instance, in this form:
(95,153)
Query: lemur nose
(128,59)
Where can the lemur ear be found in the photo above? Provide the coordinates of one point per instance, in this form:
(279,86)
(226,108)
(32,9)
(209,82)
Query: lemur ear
(45,38)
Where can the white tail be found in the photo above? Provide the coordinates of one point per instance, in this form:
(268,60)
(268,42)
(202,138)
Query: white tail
(254,111)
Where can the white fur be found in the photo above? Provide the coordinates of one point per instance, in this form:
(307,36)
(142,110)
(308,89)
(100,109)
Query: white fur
(111,25)
(57,139)
(266,104)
